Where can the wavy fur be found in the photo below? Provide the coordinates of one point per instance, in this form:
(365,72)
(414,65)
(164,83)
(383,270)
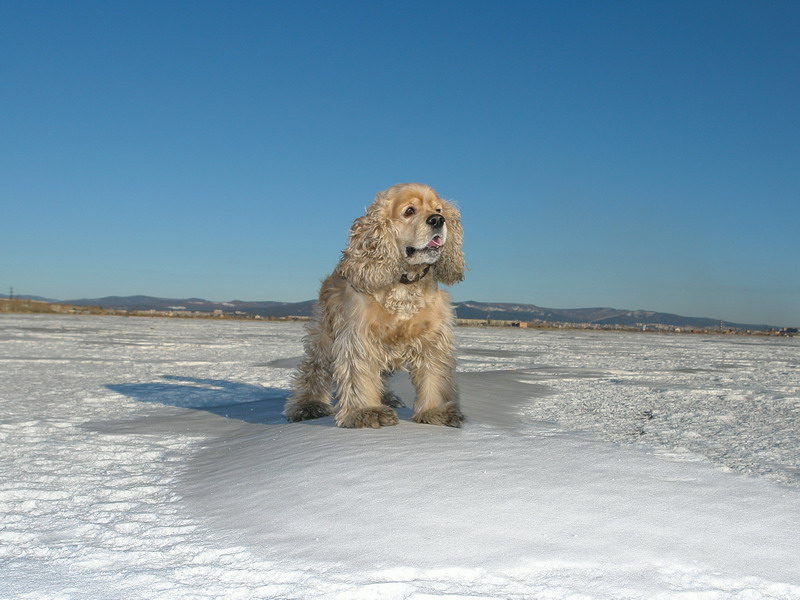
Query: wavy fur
(382,310)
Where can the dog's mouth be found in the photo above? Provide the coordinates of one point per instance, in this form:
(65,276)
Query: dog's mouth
(432,247)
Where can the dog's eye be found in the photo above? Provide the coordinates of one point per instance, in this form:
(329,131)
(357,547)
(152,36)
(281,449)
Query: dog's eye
(409,211)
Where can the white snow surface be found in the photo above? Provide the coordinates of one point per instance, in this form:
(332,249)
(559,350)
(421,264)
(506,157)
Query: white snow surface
(147,458)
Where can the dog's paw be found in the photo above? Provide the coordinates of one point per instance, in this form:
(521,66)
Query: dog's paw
(389,398)
(307,410)
(449,415)
(374,416)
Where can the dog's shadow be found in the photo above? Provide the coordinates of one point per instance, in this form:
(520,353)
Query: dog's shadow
(234,400)
(229,399)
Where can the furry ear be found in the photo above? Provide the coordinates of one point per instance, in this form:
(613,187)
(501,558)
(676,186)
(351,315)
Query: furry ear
(450,267)
(371,260)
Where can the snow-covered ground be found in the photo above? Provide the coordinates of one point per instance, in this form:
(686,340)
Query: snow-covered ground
(147,458)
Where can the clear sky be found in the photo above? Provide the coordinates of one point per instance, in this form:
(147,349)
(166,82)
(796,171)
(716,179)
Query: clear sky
(637,155)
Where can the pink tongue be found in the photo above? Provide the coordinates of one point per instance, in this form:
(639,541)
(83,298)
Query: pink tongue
(435,242)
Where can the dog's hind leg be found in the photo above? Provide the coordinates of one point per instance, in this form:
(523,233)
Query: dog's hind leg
(388,397)
(312,383)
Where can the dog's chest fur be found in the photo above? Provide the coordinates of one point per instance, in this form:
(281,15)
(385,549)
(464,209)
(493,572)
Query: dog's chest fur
(401,316)
(403,301)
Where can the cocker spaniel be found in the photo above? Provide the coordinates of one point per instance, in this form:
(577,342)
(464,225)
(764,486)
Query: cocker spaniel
(382,310)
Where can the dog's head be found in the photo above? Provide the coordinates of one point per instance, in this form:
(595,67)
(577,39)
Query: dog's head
(406,225)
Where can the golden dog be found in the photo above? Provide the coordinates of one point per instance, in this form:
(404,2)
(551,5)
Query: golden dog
(382,310)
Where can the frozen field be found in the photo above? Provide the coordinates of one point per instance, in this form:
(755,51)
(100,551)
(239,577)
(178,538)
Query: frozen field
(147,458)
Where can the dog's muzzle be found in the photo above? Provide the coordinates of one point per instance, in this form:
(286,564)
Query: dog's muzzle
(436,223)
(432,246)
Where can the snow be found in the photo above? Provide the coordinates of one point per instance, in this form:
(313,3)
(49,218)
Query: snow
(147,458)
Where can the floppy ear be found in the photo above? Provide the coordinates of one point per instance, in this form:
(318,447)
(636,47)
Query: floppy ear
(450,267)
(371,260)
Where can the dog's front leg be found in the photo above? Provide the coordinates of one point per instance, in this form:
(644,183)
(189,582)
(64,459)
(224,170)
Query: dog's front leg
(437,395)
(359,388)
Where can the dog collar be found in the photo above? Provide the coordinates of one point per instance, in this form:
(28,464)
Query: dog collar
(404,278)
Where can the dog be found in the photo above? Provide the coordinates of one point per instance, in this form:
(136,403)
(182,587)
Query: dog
(382,310)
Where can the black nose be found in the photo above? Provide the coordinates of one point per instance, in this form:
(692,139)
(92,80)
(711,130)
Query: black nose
(435,221)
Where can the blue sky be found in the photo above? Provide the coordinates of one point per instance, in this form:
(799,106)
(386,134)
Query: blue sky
(637,155)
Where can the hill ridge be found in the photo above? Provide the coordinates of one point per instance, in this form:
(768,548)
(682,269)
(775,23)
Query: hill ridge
(468,309)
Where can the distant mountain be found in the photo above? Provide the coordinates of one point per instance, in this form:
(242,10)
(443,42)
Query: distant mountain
(28,297)
(470,309)
(599,316)
(134,303)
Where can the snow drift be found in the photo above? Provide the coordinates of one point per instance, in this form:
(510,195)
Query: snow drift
(148,458)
